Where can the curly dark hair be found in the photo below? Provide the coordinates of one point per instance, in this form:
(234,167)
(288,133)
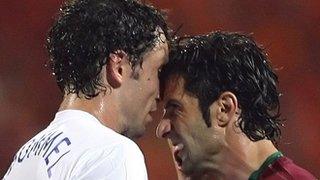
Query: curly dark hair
(87,31)
(224,61)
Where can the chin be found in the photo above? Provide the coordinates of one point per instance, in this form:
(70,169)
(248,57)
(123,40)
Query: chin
(190,169)
(137,133)
(187,170)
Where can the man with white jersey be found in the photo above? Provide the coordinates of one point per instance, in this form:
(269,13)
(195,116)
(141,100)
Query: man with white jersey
(105,56)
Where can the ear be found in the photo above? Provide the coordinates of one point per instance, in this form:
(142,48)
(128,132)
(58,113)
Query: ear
(114,68)
(227,108)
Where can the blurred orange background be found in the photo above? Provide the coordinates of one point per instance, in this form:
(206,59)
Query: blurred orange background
(290,30)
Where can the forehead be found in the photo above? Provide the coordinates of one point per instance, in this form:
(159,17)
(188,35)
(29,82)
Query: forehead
(174,86)
(174,89)
(174,92)
(159,54)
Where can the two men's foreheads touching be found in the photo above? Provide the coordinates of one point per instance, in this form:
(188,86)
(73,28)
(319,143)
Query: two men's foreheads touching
(114,60)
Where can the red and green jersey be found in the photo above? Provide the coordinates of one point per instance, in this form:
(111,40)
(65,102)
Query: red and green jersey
(279,167)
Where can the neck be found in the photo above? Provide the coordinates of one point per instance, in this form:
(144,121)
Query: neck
(101,107)
(240,158)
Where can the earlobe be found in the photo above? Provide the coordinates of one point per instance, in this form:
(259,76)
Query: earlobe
(114,69)
(227,108)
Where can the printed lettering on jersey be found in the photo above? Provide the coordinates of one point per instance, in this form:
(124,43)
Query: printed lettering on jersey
(50,147)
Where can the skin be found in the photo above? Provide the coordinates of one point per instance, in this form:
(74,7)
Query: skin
(221,151)
(132,93)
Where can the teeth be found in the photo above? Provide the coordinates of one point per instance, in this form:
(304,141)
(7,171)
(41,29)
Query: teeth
(178,147)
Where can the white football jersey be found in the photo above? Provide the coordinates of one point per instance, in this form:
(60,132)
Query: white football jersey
(76,146)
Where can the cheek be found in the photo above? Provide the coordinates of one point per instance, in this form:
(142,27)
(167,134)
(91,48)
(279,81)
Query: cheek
(194,136)
(185,133)
(152,85)
(153,79)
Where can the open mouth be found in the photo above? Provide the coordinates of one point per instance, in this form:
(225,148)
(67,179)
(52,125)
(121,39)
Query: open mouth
(178,160)
(177,155)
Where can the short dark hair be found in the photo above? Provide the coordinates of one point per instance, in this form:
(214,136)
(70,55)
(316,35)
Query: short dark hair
(225,61)
(87,31)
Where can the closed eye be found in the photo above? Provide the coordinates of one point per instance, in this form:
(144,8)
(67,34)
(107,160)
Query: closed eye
(172,109)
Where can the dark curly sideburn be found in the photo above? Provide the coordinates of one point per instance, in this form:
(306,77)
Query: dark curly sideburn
(87,31)
(223,61)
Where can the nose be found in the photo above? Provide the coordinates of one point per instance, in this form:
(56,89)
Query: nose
(155,103)
(163,128)
(158,99)
(158,96)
